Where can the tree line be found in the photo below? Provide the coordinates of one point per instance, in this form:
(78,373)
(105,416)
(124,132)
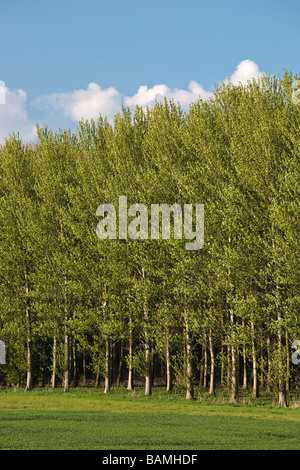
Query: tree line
(75,309)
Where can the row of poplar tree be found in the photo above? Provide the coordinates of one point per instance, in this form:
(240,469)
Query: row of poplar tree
(76,309)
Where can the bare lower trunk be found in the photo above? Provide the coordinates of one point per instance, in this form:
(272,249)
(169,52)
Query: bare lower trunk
(66,332)
(107,367)
(287,349)
(74,354)
(66,355)
(201,370)
(268,387)
(282,399)
(130,371)
(53,378)
(130,378)
(189,362)
(28,321)
(245,378)
(228,362)
(212,366)
(205,363)
(222,356)
(107,348)
(84,366)
(29,374)
(222,363)
(168,360)
(148,390)
(262,367)
(29,359)
(255,392)
(234,376)
(281,383)
(148,381)
(234,382)
(66,372)
(168,365)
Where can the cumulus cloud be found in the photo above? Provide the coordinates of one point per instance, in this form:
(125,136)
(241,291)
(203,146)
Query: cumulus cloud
(14,116)
(245,71)
(147,96)
(83,104)
(65,109)
(89,103)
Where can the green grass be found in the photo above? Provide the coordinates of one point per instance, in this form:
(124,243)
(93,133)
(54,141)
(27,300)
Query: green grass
(88,419)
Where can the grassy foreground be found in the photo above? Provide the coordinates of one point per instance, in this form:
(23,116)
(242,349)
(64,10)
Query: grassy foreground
(88,419)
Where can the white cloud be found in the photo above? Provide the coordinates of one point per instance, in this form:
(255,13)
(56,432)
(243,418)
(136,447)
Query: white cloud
(195,90)
(245,71)
(83,104)
(147,96)
(14,117)
(65,109)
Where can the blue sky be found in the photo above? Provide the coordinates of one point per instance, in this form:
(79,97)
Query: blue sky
(64,59)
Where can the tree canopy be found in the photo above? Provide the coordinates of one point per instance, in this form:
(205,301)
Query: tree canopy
(77,309)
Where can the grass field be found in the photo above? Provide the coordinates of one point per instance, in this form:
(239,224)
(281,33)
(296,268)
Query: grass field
(87,419)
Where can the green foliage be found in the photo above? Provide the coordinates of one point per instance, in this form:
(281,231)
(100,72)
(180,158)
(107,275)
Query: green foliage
(70,302)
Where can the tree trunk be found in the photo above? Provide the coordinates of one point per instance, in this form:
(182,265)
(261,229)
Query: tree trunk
(28,322)
(245,378)
(205,362)
(189,361)
(255,393)
(152,364)
(66,341)
(130,371)
(148,390)
(168,360)
(212,366)
(168,363)
(74,353)
(201,370)
(107,366)
(84,366)
(234,376)
(66,352)
(107,348)
(281,381)
(148,383)
(66,356)
(29,365)
(222,362)
(262,368)
(268,386)
(54,354)
(287,387)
